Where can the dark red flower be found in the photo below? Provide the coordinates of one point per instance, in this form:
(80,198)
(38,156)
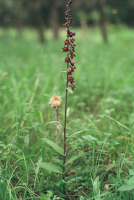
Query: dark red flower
(72,69)
(73,34)
(71,79)
(72,55)
(72,40)
(72,63)
(69,3)
(67,25)
(66,42)
(67,59)
(66,14)
(71,19)
(73,45)
(65,49)
(69,72)
(71,52)
(74,86)
(68,32)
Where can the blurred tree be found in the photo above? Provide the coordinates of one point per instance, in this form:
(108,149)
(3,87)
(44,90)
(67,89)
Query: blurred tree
(51,13)
(83,9)
(123,10)
(54,18)
(5,13)
(103,19)
(87,8)
(36,11)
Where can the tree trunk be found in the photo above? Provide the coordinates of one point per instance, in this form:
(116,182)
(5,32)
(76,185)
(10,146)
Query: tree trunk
(54,20)
(103,19)
(40,23)
(40,28)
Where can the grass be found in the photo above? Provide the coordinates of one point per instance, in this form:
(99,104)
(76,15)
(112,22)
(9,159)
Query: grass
(101,113)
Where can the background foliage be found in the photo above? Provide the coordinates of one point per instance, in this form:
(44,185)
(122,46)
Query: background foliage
(25,13)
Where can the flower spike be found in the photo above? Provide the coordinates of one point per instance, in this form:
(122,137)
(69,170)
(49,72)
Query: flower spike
(69,47)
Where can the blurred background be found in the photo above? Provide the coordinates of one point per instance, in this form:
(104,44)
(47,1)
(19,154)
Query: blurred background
(43,14)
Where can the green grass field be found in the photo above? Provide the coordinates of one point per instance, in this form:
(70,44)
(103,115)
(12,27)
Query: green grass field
(100,115)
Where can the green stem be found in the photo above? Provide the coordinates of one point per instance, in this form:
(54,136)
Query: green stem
(65,120)
(64,157)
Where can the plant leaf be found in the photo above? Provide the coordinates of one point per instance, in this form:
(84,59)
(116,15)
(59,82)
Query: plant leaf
(44,196)
(131,172)
(129,185)
(50,167)
(39,115)
(75,157)
(89,138)
(74,134)
(70,90)
(68,111)
(54,146)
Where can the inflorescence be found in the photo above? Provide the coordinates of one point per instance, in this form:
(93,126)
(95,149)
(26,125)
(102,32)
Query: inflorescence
(69,47)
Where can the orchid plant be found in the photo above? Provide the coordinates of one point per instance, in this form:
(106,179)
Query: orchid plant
(55,101)
(69,48)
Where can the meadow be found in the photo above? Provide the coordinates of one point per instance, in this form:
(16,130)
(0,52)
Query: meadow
(100,118)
